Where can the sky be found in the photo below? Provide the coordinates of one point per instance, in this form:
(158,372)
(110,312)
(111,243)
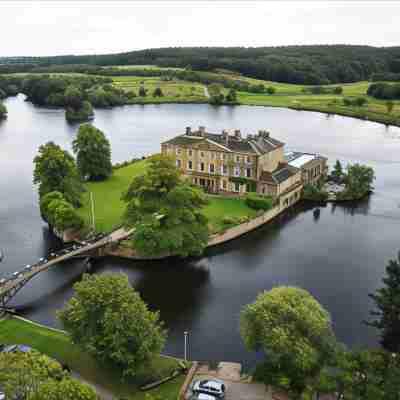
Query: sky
(40,28)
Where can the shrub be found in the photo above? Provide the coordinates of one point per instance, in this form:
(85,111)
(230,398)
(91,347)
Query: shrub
(259,202)
(314,193)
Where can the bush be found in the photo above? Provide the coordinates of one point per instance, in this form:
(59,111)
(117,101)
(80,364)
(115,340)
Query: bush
(259,202)
(314,193)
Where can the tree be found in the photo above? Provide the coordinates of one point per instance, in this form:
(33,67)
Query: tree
(142,91)
(83,113)
(93,153)
(73,97)
(294,331)
(22,374)
(389,106)
(158,92)
(3,111)
(358,180)
(231,97)
(387,303)
(66,389)
(338,90)
(55,170)
(107,318)
(337,173)
(271,90)
(165,211)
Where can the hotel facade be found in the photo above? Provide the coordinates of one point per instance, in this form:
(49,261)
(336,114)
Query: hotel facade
(228,163)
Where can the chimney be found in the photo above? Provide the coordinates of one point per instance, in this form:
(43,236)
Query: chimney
(188,130)
(225,136)
(202,130)
(249,137)
(238,134)
(266,134)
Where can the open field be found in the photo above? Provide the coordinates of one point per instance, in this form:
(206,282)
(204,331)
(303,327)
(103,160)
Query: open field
(58,346)
(173,90)
(109,207)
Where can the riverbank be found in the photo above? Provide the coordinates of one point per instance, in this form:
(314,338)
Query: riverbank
(56,344)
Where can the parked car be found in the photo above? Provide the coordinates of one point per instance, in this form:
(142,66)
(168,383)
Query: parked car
(213,387)
(2,281)
(16,274)
(2,396)
(12,348)
(202,396)
(28,267)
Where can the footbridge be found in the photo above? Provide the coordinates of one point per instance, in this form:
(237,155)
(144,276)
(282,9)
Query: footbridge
(11,286)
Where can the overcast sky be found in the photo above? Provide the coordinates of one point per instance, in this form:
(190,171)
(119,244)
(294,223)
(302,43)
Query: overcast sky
(78,27)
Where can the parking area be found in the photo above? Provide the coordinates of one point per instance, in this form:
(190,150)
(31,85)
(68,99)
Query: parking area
(237,386)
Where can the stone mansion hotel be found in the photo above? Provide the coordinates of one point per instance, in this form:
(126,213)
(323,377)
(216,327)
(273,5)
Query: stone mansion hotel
(230,163)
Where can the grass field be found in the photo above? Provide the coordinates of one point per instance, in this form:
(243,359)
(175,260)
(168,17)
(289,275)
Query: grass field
(174,90)
(109,207)
(58,346)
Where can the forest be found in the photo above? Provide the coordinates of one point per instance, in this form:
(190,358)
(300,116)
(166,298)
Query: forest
(313,65)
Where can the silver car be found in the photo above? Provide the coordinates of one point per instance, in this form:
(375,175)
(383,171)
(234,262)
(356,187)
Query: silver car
(213,387)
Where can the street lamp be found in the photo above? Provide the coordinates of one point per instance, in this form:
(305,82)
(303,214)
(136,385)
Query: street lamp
(186,333)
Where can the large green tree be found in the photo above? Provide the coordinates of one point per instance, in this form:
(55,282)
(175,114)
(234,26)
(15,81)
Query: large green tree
(55,170)
(165,211)
(34,376)
(3,111)
(387,312)
(359,179)
(107,318)
(294,331)
(93,153)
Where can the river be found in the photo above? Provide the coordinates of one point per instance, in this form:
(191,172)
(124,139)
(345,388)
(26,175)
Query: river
(339,257)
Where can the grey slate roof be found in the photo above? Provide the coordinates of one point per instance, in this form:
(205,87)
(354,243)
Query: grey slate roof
(255,145)
(282,172)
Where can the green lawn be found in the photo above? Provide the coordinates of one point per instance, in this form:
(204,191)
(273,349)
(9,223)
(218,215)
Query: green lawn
(107,197)
(58,346)
(174,90)
(109,207)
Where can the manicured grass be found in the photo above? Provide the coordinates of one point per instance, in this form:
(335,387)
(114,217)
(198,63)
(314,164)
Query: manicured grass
(58,346)
(221,207)
(173,91)
(107,197)
(109,207)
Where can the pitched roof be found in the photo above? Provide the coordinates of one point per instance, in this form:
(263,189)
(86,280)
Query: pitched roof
(279,175)
(259,144)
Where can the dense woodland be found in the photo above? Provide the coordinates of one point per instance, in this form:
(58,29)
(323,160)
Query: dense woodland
(313,65)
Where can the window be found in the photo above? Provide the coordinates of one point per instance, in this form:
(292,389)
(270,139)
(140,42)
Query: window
(237,158)
(237,187)
(212,169)
(190,152)
(178,150)
(237,171)
(248,159)
(190,164)
(202,154)
(178,163)
(248,172)
(224,185)
(223,156)
(202,166)
(263,190)
(195,181)
(224,169)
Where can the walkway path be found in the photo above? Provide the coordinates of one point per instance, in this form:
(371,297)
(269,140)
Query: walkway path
(103,394)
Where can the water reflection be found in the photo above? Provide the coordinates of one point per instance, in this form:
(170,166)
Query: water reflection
(338,255)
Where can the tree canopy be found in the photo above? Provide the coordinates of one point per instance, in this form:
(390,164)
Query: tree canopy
(293,330)
(107,318)
(387,302)
(34,376)
(165,212)
(3,111)
(58,213)
(93,153)
(55,171)
(358,180)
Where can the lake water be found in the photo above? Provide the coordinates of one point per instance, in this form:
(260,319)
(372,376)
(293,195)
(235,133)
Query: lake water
(339,257)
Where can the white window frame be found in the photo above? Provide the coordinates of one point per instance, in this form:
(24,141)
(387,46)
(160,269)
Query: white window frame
(190,152)
(236,171)
(248,175)
(237,158)
(234,187)
(190,165)
(202,169)
(209,168)
(222,169)
(178,163)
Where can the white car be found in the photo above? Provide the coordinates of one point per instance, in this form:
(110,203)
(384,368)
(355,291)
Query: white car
(2,396)
(213,387)
(201,396)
